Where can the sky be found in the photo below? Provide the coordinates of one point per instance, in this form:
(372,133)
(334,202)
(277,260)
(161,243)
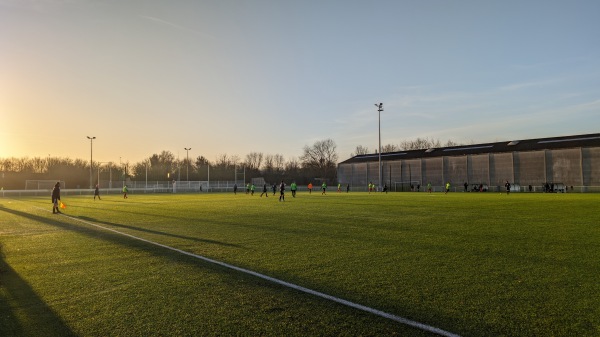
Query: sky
(231,77)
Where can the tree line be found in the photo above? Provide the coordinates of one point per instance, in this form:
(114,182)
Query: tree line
(317,162)
(406,145)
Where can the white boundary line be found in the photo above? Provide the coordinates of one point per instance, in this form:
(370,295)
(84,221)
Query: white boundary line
(380,313)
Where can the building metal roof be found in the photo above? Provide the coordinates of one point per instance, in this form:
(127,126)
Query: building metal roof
(566,142)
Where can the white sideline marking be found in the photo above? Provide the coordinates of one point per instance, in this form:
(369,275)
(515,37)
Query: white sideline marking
(380,313)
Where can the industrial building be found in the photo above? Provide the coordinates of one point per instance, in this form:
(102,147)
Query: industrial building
(559,164)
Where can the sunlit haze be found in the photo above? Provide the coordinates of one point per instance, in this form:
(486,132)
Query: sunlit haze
(234,77)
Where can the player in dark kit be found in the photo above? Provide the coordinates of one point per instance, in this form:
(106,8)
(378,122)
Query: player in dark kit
(264,191)
(97,192)
(282,191)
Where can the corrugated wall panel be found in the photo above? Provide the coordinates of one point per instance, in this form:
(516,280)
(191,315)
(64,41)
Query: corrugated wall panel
(566,167)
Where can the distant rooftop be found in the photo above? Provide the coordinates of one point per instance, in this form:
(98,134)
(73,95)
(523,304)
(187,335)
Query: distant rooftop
(590,140)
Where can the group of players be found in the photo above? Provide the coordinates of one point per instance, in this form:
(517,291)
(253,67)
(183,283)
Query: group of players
(250,188)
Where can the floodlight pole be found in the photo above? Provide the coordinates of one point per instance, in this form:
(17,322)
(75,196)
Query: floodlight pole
(187,164)
(379,109)
(91,162)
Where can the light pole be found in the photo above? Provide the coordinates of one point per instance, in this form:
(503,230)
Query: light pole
(91,162)
(379,109)
(187,164)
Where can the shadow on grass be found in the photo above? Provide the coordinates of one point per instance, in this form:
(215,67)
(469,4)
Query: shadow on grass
(150,231)
(22,311)
(95,233)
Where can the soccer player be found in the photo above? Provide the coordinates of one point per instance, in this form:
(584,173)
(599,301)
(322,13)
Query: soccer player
(125,190)
(252,188)
(293,188)
(235,189)
(55,198)
(282,191)
(324,187)
(507,185)
(97,192)
(447,188)
(429,187)
(264,191)
(339,187)
(310,188)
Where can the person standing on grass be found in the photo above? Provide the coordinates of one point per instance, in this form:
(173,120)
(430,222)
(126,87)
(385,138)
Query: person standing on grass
(293,188)
(125,190)
(56,198)
(235,189)
(247,188)
(447,188)
(97,192)
(324,187)
(252,188)
(347,188)
(507,185)
(429,187)
(274,188)
(310,188)
(264,191)
(282,191)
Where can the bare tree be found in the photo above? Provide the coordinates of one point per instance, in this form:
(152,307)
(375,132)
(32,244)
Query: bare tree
(292,164)
(419,144)
(223,161)
(278,161)
(235,160)
(390,148)
(360,150)
(269,165)
(450,143)
(321,158)
(201,161)
(254,160)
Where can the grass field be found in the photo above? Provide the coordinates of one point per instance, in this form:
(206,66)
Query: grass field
(474,264)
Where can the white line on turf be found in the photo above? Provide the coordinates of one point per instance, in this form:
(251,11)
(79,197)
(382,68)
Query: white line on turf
(380,313)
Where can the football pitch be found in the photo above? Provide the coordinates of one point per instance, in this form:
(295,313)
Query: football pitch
(470,264)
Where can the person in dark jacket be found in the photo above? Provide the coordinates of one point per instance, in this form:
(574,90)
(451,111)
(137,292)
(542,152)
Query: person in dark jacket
(282,191)
(97,192)
(55,198)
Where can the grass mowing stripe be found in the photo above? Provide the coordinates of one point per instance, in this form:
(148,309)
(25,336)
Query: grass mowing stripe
(380,313)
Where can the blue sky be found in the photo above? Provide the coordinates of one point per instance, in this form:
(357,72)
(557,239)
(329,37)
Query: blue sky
(234,77)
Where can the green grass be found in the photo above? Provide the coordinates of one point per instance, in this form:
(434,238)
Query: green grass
(475,264)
